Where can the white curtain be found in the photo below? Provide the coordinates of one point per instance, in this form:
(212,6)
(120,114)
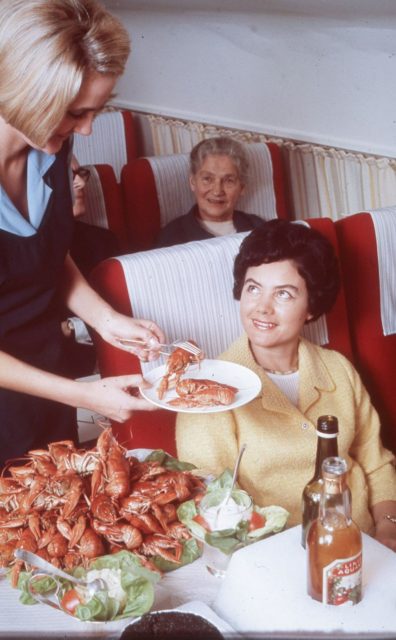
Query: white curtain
(333,183)
(323,182)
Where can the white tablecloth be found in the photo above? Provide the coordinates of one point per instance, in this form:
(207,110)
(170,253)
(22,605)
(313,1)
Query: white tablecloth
(263,592)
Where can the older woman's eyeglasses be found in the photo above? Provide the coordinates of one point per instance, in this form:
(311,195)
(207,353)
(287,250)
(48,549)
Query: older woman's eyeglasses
(82,172)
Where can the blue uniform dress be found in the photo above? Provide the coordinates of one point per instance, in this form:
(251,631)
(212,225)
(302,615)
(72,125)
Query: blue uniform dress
(32,255)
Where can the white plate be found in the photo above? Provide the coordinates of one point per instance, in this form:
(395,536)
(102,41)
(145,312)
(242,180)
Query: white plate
(248,383)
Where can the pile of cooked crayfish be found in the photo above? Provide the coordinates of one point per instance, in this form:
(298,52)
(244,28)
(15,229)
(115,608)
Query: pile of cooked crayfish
(71,505)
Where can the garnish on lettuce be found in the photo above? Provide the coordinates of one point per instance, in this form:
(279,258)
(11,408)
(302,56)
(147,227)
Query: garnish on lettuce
(46,584)
(191,552)
(167,461)
(228,540)
(137,583)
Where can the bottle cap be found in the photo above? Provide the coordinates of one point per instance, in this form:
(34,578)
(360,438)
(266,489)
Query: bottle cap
(334,467)
(328,425)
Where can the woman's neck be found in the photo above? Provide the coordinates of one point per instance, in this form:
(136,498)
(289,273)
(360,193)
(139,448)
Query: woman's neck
(277,360)
(13,166)
(13,145)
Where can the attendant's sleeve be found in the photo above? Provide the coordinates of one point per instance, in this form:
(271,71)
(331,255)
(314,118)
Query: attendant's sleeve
(207,440)
(367,449)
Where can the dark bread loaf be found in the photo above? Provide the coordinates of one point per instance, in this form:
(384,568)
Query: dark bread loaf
(171,625)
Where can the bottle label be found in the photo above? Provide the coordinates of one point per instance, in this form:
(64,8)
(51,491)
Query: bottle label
(342,581)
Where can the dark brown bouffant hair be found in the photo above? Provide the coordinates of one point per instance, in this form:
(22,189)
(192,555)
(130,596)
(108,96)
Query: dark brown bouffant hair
(311,252)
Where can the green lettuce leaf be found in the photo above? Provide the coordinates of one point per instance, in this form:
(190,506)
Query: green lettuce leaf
(167,461)
(100,607)
(139,600)
(128,562)
(228,540)
(43,585)
(222,483)
(136,580)
(191,551)
(275,520)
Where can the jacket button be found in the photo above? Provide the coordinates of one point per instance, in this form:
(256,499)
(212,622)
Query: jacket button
(305,425)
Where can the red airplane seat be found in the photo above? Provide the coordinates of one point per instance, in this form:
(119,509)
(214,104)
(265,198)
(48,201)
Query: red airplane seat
(104,206)
(114,140)
(187,290)
(337,319)
(367,244)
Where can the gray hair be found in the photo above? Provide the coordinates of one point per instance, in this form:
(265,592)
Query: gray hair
(220,146)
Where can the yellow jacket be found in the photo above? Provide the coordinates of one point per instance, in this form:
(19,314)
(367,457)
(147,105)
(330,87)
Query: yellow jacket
(281,439)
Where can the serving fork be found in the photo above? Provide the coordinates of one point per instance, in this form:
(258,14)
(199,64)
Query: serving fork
(166,349)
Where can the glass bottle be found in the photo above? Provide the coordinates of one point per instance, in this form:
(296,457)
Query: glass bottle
(334,542)
(327,432)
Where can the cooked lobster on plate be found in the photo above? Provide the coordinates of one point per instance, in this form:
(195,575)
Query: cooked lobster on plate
(194,392)
(177,364)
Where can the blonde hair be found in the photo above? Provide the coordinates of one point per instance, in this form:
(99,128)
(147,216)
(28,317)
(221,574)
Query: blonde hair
(220,146)
(46,49)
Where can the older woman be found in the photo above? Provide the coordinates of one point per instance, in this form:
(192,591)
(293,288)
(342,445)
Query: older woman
(286,274)
(218,175)
(60,61)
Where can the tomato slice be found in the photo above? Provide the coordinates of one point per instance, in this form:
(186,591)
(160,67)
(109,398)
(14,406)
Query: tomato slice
(70,601)
(201,520)
(256,521)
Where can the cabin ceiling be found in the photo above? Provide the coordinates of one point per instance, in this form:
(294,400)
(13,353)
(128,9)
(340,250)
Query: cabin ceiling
(330,8)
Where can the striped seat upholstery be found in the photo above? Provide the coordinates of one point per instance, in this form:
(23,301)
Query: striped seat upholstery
(113,141)
(367,242)
(156,190)
(104,207)
(187,290)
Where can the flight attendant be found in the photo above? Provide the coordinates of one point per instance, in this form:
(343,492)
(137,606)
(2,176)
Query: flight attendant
(60,63)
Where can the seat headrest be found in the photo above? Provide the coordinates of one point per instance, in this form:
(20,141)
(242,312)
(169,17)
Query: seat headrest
(171,176)
(187,290)
(384,221)
(95,202)
(107,142)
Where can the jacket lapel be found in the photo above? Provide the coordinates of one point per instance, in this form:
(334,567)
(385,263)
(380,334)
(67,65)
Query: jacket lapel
(314,375)
(314,378)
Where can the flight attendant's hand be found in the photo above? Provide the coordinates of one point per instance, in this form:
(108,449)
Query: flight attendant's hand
(115,398)
(115,327)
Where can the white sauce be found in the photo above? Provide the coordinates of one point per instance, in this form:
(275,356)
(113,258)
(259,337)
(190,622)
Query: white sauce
(226,516)
(112,578)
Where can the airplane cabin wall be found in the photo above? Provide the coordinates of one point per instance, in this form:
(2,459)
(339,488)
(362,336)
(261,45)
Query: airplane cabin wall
(306,70)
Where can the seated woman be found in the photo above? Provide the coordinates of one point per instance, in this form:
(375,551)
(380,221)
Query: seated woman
(218,175)
(285,275)
(90,244)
